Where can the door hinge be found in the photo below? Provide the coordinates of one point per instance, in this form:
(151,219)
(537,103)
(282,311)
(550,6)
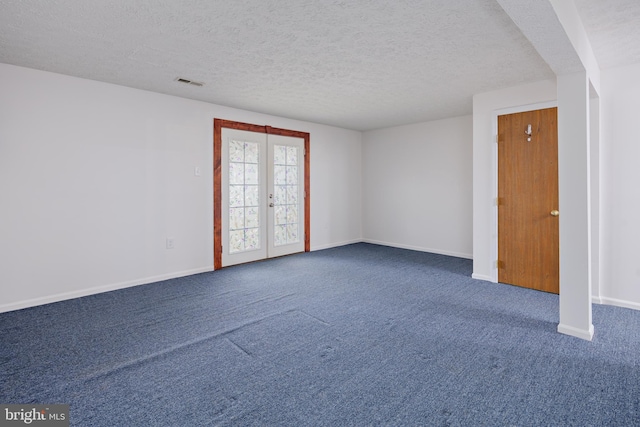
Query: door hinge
(499,264)
(499,201)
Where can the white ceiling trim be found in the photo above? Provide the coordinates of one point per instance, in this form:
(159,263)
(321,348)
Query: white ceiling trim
(572,24)
(538,22)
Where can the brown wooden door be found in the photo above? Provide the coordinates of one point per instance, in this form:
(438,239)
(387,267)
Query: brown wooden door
(528,241)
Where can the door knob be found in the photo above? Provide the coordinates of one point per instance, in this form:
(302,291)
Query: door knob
(555,213)
(270,205)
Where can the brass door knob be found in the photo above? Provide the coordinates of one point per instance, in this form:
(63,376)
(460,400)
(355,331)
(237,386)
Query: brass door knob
(555,213)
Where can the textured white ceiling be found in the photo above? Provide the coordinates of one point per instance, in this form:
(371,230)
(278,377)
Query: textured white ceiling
(613,27)
(358,64)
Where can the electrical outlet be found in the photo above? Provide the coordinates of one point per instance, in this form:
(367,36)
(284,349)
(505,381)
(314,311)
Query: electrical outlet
(170,243)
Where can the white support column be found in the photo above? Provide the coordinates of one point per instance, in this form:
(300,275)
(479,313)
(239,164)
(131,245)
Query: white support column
(574,190)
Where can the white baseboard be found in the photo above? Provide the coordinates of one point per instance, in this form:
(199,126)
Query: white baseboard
(419,248)
(97,290)
(617,302)
(575,332)
(482,277)
(335,245)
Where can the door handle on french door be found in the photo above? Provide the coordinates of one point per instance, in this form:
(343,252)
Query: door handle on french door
(271,204)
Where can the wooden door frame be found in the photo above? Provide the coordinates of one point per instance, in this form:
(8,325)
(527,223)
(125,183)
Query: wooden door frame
(218,124)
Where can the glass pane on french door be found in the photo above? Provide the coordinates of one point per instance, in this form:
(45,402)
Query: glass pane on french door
(244,212)
(262,196)
(286,195)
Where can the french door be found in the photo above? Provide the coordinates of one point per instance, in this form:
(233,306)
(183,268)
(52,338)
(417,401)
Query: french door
(263,195)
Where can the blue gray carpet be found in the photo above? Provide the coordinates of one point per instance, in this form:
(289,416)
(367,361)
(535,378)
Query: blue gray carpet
(351,336)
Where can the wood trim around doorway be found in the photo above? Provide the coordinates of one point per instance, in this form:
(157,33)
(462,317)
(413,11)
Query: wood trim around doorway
(218,124)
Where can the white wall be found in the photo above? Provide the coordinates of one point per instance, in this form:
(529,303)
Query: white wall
(485,107)
(94,177)
(336,186)
(620,184)
(417,186)
(618,241)
(594,158)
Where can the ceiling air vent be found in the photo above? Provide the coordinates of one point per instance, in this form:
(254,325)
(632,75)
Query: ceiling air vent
(189,82)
